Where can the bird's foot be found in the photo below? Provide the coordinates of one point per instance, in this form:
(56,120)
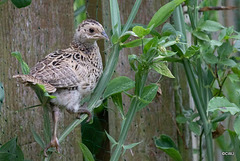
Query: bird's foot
(54,143)
(85,111)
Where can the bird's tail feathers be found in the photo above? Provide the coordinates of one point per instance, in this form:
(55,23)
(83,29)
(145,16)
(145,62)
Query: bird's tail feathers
(28,80)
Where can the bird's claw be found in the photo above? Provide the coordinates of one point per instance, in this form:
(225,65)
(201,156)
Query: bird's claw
(85,111)
(54,143)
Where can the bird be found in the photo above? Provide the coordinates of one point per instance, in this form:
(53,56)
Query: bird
(70,74)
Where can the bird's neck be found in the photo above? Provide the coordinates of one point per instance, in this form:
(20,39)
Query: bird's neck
(84,46)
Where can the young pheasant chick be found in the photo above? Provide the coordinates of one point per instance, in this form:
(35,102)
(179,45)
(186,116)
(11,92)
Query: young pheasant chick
(70,74)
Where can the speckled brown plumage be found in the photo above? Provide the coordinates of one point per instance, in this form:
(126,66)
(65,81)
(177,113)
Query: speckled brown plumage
(70,74)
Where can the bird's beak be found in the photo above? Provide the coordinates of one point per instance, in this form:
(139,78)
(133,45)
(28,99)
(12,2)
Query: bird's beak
(104,35)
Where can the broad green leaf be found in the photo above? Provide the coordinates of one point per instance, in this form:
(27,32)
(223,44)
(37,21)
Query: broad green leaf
(215,43)
(168,30)
(148,94)
(236,126)
(194,127)
(140,31)
(11,151)
(220,118)
(118,85)
(234,77)
(228,62)
(135,43)
(166,144)
(222,104)
(86,152)
(225,50)
(210,58)
(37,138)
(191,51)
(210,26)
(181,119)
(21,3)
(117,100)
(164,13)
(125,36)
(24,66)
(201,35)
(1,95)
(162,68)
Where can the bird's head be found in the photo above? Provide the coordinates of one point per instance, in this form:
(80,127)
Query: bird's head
(89,31)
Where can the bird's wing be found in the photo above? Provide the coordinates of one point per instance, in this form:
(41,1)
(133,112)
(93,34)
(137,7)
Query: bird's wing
(57,69)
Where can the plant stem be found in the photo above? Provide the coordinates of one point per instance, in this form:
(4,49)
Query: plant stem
(140,78)
(194,87)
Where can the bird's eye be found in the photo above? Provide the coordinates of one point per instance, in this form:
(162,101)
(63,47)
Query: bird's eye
(91,30)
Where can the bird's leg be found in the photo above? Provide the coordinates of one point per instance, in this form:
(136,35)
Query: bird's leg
(84,110)
(54,141)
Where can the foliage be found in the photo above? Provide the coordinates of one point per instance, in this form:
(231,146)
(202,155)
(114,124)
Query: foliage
(11,151)
(18,3)
(166,144)
(86,152)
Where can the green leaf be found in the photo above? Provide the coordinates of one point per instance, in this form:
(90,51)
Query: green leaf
(222,104)
(148,94)
(235,142)
(130,146)
(37,138)
(225,50)
(125,36)
(164,13)
(149,44)
(24,66)
(135,43)
(112,140)
(166,144)
(118,85)
(210,26)
(220,118)
(228,62)
(191,51)
(1,95)
(21,3)
(236,126)
(201,35)
(181,119)
(210,58)
(162,68)
(194,127)
(115,17)
(215,43)
(132,61)
(117,100)
(86,152)
(11,151)
(140,31)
